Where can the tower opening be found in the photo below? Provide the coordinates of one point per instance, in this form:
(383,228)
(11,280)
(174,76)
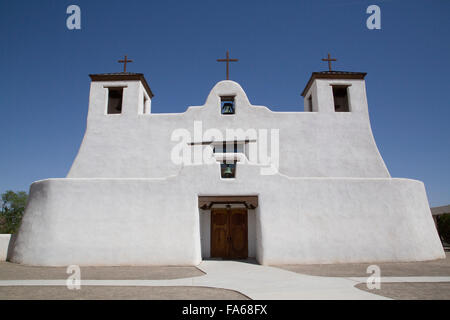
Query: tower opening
(340,97)
(228,170)
(310,104)
(115,97)
(227,105)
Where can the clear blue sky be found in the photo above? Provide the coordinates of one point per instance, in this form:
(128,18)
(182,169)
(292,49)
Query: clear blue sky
(45,86)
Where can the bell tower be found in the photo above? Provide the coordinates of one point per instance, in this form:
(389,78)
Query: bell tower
(335,91)
(119,94)
(124,94)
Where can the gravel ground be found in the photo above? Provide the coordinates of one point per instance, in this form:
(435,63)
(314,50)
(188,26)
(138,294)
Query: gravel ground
(118,293)
(392,269)
(412,290)
(12,271)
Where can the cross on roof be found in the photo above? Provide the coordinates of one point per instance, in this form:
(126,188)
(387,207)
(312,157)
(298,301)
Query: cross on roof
(227,60)
(329,61)
(125,63)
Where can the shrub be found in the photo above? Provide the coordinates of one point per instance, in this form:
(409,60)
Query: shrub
(11,211)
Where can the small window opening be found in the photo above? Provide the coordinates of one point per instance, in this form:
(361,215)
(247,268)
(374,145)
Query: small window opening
(146,105)
(310,103)
(230,147)
(236,147)
(340,97)
(115,96)
(227,105)
(228,170)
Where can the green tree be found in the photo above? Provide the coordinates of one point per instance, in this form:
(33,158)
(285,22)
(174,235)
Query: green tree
(11,211)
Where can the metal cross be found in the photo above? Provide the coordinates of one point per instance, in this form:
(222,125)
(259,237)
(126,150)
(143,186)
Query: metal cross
(125,63)
(329,61)
(227,60)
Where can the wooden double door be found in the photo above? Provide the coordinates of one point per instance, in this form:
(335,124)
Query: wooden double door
(229,233)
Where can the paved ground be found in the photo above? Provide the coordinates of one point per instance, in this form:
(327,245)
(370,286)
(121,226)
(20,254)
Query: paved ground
(251,280)
(12,271)
(118,293)
(412,290)
(399,269)
(403,288)
(270,283)
(217,279)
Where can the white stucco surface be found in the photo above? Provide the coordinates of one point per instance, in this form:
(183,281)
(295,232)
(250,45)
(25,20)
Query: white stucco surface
(150,222)
(4,243)
(125,202)
(312,144)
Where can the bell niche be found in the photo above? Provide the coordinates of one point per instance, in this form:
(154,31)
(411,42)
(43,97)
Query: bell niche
(227,105)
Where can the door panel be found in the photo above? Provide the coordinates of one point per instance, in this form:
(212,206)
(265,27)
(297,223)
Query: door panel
(229,233)
(219,233)
(238,234)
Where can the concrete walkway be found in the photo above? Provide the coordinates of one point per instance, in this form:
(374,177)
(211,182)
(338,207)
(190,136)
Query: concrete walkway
(264,282)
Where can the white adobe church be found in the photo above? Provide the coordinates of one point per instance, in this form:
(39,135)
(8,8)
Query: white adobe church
(229,180)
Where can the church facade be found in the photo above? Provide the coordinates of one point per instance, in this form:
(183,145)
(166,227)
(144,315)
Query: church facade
(228,180)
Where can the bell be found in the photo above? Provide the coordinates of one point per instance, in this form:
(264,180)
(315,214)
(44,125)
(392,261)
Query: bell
(228,172)
(227,108)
